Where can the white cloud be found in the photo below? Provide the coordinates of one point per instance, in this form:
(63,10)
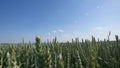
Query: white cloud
(54,31)
(52,34)
(99,28)
(100,31)
(60,30)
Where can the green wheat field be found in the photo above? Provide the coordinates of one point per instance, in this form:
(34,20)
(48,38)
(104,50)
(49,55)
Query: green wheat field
(53,54)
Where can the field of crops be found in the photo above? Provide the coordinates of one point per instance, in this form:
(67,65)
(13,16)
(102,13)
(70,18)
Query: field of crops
(75,54)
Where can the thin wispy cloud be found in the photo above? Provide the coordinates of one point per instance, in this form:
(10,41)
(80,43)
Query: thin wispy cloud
(54,31)
(98,28)
(58,30)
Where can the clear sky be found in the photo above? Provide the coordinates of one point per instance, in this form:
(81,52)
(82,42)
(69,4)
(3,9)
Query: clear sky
(64,19)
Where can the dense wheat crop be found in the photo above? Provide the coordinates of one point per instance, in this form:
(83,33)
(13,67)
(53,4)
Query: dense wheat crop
(75,54)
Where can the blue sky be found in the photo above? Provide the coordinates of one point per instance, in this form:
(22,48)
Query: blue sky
(64,19)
